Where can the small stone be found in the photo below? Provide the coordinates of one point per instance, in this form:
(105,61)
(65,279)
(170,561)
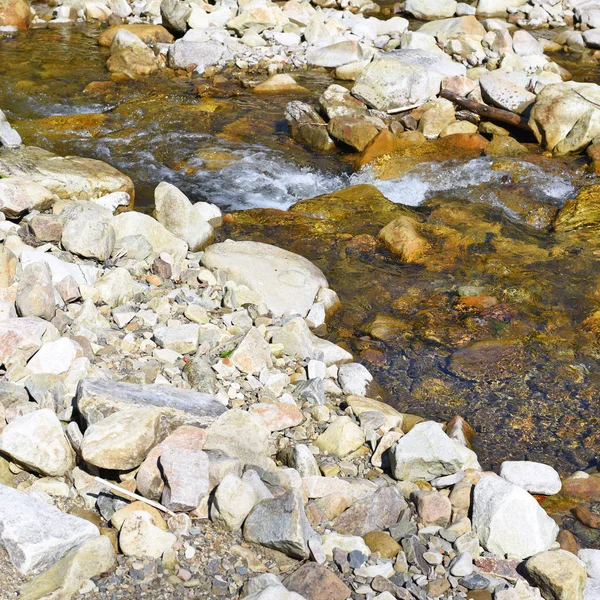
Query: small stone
(315,582)
(433,508)
(35,293)
(462,565)
(384,543)
(183,339)
(341,438)
(253,354)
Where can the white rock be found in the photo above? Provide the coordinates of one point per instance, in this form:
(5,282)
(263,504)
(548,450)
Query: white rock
(509,521)
(354,378)
(534,477)
(55,357)
(348,543)
(233,501)
(184,339)
(139,536)
(591,560)
(37,441)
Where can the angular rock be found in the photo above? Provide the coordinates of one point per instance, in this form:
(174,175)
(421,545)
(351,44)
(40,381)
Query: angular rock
(335,55)
(315,582)
(55,357)
(35,534)
(277,417)
(139,537)
(508,520)
(307,127)
(534,477)
(503,93)
(94,557)
(233,500)
(179,216)
(174,14)
(35,293)
(123,440)
(184,54)
(253,353)
(19,196)
(281,524)
(426,452)
(37,441)
(286,281)
(88,233)
(559,574)
(180,338)
(24,336)
(341,438)
(187,478)
(336,101)
(99,398)
(375,512)
(354,132)
(354,379)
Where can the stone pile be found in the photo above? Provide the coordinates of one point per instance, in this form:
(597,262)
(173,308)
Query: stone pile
(147,372)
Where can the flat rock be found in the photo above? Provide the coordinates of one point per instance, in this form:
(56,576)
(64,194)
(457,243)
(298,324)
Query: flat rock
(375,512)
(286,281)
(182,54)
(281,524)
(426,452)
(508,520)
(184,339)
(428,10)
(534,477)
(35,534)
(503,93)
(341,438)
(277,417)
(37,441)
(253,353)
(99,398)
(67,177)
(55,357)
(187,478)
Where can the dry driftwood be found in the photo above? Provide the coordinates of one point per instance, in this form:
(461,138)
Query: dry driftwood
(489,112)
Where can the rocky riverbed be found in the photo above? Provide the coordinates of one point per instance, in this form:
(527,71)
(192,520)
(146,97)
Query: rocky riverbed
(385,391)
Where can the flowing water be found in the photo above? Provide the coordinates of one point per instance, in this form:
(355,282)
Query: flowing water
(524,372)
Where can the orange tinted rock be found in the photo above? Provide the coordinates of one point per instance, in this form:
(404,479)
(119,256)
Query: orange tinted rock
(402,237)
(149,34)
(467,141)
(587,517)
(15,13)
(478,302)
(567,541)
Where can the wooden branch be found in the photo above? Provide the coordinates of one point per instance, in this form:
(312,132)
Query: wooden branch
(489,112)
(125,492)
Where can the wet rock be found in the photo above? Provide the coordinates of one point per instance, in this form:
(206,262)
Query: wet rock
(426,452)
(336,101)
(559,574)
(286,281)
(502,145)
(37,441)
(280,524)
(161,240)
(94,557)
(88,233)
(315,582)
(149,34)
(354,132)
(68,177)
(487,360)
(580,212)
(375,512)
(241,434)
(15,13)
(307,127)
(233,500)
(341,438)
(187,478)
(253,354)
(139,537)
(508,520)
(401,236)
(19,196)
(534,477)
(99,398)
(122,440)
(36,535)
(179,216)
(35,293)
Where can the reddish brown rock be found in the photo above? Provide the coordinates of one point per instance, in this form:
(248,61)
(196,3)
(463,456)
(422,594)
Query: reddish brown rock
(433,508)
(315,582)
(15,13)
(568,541)
(352,131)
(500,567)
(587,517)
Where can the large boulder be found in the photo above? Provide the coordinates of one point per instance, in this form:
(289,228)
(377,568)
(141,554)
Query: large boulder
(161,240)
(404,78)
(426,452)
(68,177)
(130,57)
(566,116)
(508,520)
(560,575)
(286,281)
(37,441)
(36,535)
(99,398)
(177,214)
(15,13)
(428,10)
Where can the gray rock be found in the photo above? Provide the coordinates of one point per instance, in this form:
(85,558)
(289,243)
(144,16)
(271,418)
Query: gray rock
(98,398)
(201,376)
(508,520)
(183,54)
(281,524)
(88,233)
(426,452)
(307,127)
(174,15)
(36,535)
(304,461)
